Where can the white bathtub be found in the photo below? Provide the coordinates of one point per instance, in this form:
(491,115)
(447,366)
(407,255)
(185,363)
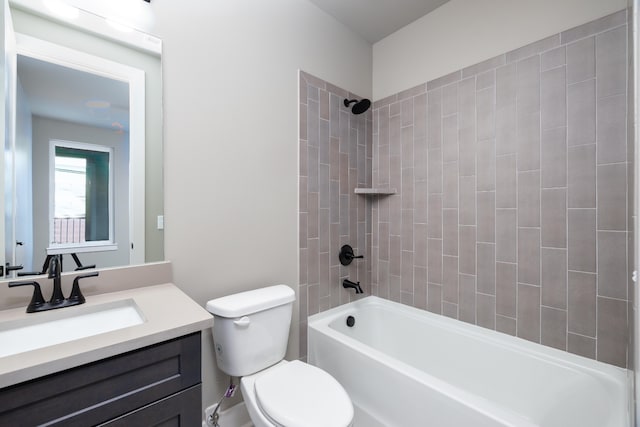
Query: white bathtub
(408,367)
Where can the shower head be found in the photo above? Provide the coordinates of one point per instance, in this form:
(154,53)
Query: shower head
(359,107)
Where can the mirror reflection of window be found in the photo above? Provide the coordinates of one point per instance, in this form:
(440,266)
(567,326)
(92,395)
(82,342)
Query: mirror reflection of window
(81,189)
(70,211)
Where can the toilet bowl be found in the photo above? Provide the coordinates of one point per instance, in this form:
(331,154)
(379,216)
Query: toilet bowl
(250,334)
(295,394)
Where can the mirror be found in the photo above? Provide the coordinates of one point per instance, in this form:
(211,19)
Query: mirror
(91,89)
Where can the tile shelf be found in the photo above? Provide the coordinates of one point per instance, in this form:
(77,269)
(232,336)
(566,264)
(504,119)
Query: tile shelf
(376,191)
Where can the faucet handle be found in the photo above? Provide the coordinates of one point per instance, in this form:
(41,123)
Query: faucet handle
(76,294)
(37,300)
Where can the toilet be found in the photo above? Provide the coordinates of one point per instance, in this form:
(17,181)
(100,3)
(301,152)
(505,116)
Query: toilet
(250,334)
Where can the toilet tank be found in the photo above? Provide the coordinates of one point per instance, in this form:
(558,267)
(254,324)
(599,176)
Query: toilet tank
(251,329)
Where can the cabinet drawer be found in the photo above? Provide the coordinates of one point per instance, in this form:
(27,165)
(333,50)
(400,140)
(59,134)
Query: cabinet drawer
(179,410)
(103,390)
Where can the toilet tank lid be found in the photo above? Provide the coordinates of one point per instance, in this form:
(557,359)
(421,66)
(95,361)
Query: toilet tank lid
(245,303)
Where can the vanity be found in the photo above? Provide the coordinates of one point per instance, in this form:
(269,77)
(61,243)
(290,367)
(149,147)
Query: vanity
(146,373)
(130,354)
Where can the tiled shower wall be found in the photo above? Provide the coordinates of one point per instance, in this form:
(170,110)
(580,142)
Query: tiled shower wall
(335,158)
(512,210)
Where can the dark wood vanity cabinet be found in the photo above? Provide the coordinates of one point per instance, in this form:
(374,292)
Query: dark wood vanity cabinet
(159,385)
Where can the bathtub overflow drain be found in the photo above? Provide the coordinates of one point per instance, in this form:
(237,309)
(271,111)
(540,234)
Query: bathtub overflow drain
(351,321)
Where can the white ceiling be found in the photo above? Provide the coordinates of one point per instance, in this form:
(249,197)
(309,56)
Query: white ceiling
(62,93)
(376,19)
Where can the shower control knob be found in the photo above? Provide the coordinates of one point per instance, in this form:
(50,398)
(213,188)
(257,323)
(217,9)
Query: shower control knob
(346,255)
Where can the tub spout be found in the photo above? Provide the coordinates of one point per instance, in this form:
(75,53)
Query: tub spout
(346,283)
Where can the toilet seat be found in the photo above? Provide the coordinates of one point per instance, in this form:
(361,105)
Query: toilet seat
(296,394)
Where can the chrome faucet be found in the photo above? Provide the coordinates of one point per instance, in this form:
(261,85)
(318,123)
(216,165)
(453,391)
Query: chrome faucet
(57,298)
(348,284)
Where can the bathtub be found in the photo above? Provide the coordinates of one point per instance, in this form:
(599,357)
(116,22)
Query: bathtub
(407,367)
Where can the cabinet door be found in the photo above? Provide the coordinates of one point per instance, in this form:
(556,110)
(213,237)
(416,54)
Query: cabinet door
(106,389)
(180,410)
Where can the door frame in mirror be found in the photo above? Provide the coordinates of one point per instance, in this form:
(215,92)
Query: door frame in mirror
(71,58)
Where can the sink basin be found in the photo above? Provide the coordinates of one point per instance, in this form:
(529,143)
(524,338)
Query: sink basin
(48,328)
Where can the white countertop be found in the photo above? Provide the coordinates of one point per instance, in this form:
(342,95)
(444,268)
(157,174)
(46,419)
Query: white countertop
(169,313)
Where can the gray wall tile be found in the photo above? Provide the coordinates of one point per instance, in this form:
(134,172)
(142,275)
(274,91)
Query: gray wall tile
(553,58)
(485,111)
(554,217)
(450,279)
(612,197)
(506,235)
(435,261)
(529,312)
(450,232)
(528,85)
(582,240)
(450,185)
(486,205)
(420,245)
(486,268)
(506,85)
(486,311)
(593,27)
(506,325)
(529,255)
(434,298)
(581,345)
(581,112)
(612,331)
(450,310)
(486,79)
(528,140)
(467,151)
(506,289)
(534,48)
(553,328)
(486,157)
(467,203)
(581,60)
(612,264)
(450,138)
(483,66)
(467,103)
(553,153)
(529,199)
(612,135)
(506,181)
(449,99)
(467,298)
(582,176)
(582,303)
(467,249)
(506,131)
(611,61)
(554,278)
(553,92)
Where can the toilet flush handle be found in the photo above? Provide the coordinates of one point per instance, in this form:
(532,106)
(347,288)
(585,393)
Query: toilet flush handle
(242,322)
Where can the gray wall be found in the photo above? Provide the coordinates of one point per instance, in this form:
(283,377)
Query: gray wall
(231,154)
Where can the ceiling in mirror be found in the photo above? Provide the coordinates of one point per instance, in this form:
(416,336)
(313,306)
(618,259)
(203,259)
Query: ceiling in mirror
(74,96)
